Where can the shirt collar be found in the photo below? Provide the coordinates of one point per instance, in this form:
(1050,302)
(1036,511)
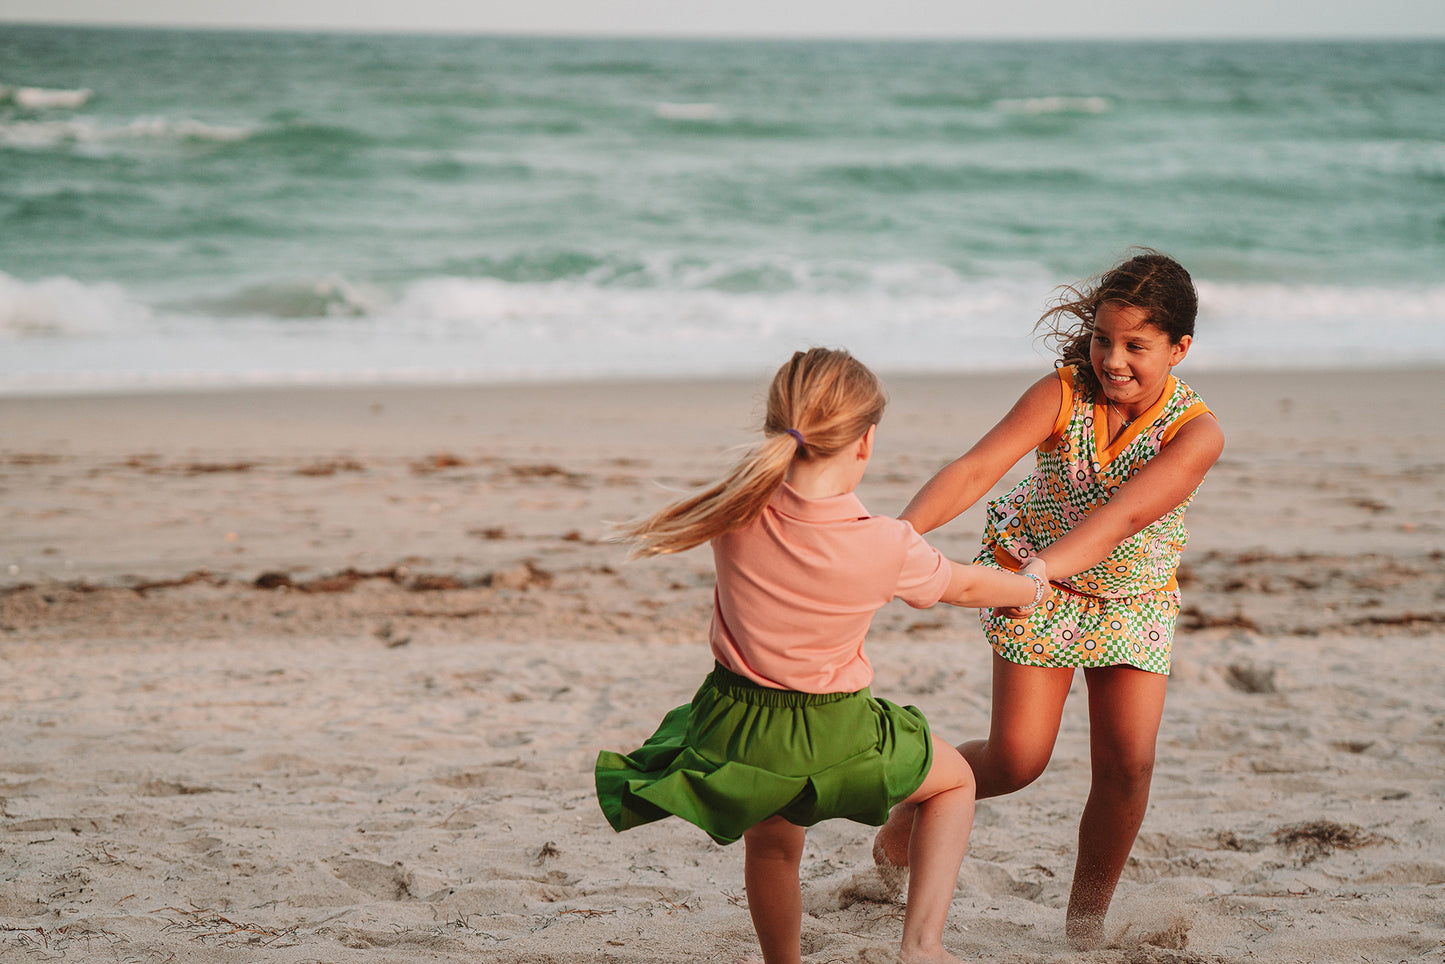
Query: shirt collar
(835,508)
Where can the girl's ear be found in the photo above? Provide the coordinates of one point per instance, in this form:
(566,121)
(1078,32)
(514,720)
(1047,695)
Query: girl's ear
(865,444)
(1179,350)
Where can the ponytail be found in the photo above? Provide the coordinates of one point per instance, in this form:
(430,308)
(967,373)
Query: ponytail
(819,402)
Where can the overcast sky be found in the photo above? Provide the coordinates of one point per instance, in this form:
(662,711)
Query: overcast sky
(782,18)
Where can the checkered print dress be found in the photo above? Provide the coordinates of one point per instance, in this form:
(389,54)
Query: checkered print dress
(1121,611)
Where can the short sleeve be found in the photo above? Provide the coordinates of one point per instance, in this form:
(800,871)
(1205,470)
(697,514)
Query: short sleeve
(924,577)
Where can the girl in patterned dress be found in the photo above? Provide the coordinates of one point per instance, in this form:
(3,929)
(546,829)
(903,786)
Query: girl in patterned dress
(1121,447)
(784,732)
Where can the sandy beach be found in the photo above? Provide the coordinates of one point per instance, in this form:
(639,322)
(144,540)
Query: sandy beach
(318,675)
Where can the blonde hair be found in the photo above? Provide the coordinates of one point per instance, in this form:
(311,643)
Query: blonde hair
(827,396)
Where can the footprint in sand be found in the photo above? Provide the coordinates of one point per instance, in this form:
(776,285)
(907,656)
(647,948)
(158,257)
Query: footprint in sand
(383,881)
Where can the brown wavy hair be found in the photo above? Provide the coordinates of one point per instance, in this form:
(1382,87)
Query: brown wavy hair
(1148,279)
(826,395)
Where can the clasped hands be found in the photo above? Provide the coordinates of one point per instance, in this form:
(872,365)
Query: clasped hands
(1034,567)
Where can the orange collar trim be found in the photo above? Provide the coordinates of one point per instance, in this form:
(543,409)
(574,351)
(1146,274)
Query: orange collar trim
(1106,453)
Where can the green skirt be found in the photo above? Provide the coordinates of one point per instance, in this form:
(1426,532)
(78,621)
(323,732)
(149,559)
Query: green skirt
(740,753)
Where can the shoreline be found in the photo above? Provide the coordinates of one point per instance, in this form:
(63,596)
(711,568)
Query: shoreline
(192,383)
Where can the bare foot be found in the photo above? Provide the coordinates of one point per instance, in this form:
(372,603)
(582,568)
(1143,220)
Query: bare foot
(890,846)
(1085,932)
(936,956)
(892,879)
(883,883)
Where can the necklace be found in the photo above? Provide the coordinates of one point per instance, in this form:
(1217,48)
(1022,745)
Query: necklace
(1124,422)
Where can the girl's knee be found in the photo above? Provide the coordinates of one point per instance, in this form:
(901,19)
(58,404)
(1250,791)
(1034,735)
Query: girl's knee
(948,771)
(1125,775)
(774,839)
(1012,759)
(953,770)
(1014,771)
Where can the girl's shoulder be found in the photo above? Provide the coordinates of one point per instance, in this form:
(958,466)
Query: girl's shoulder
(887,530)
(1078,388)
(1184,402)
(1183,392)
(1074,395)
(1184,407)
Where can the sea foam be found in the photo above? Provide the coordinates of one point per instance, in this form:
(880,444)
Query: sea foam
(49,134)
(689,112)
(44,98)
(59,306)
(60,332)
(1054,105)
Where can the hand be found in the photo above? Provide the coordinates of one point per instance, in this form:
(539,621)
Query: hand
(1034,567)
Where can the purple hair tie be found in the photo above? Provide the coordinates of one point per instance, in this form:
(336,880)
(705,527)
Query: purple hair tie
(798,436)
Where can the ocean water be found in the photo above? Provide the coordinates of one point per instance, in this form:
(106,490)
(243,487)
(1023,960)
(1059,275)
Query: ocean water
(183,207)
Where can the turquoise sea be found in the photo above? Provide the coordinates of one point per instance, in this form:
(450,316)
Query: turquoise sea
(181,207)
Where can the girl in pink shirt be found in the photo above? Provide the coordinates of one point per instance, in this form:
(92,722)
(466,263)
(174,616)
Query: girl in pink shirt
(784,732)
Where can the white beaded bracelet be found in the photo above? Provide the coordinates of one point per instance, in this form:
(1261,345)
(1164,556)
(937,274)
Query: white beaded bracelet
(1039,588)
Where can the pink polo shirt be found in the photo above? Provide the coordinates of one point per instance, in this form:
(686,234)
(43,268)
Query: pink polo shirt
(798,587)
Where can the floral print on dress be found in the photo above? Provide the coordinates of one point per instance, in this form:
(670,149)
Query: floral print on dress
(1122,610)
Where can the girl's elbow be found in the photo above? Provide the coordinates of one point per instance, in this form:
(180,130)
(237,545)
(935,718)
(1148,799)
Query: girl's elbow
(1135,524)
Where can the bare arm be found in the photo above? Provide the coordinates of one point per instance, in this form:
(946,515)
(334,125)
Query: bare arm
(1161,485)
(979,586)
(965,480)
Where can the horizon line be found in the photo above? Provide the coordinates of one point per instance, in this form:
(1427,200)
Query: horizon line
(548,34)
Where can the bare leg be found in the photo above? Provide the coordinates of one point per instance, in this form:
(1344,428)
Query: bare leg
(773,851)
(944,808)
(1028,702)
(1125,707)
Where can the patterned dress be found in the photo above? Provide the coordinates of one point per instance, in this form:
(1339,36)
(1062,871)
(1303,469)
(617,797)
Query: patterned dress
(1122,610)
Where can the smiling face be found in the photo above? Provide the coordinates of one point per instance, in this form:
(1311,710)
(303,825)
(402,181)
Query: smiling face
(1132,357)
